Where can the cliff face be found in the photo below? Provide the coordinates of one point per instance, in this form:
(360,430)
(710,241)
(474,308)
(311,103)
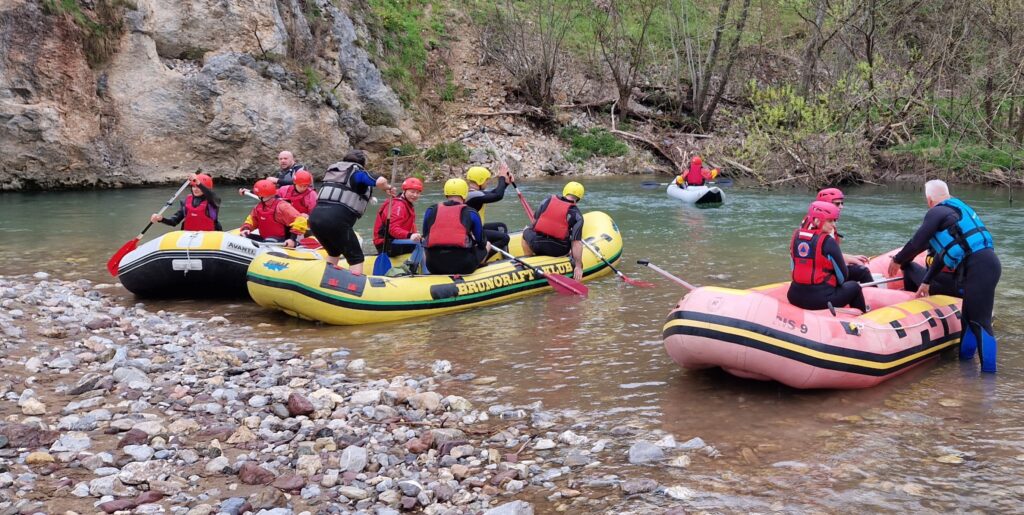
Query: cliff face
(115,94)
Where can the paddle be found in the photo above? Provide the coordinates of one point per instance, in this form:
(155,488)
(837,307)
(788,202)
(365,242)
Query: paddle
(522,199)
(654,267)
(560,283)
(417,257)
(382,263)
(881,281)
(627,280)
(115,260)
(724,183)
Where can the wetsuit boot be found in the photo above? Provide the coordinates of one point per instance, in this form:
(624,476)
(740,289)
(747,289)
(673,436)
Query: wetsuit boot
(968,342)
(987,351)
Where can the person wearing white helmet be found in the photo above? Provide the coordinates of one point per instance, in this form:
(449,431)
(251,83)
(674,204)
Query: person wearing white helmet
(559,228)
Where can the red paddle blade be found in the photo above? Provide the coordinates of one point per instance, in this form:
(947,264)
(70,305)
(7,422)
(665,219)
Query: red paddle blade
(115,260)
(636,282)
(310,243)
(567,286)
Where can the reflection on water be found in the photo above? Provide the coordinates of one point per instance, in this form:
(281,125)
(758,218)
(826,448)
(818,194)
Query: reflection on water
(782,449)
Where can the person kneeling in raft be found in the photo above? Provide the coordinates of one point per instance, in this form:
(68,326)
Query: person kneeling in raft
(559,228)
(276,219)
(199,210)
(819,271)
(454,234)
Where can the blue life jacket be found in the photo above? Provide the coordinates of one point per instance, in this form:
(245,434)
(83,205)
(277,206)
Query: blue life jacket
(962,239)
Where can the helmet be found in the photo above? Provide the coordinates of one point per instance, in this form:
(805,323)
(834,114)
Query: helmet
(823,210)
(830,195)
(696,161)
(412,183)
(478,175)
(456,187)
(573,188)
(204,179)
(303,178)
(264,188)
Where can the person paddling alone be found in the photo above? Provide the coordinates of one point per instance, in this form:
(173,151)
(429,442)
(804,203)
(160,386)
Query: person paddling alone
(199,210)
(454,234)
(559,228)
(696,175)
(819,270)
(276,219)
(960,242)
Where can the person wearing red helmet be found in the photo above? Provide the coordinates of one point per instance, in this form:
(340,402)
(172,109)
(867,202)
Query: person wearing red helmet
(820,275)
(397,217)
(199,210)
(696,175)
(276,219)
(300,194)
(856,263)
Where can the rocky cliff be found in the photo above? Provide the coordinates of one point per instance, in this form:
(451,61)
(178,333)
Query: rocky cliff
(112,92)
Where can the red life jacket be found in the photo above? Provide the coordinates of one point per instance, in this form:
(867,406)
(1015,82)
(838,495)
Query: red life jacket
(810,265)
(448,229)
(266,221)
(197,218)
(302,202)
(554,221)
(695,176)
(381,221)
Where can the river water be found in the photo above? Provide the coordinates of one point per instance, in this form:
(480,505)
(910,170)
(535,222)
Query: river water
(781,449)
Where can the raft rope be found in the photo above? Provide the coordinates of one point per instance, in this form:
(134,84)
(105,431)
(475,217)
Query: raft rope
(188,252)
(870,325)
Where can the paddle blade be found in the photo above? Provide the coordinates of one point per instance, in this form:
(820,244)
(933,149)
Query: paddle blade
(115,260)
(310,243)
(636,282)
(567,286)
(382,264)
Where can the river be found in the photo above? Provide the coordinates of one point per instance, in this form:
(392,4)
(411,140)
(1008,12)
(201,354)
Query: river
(781,449)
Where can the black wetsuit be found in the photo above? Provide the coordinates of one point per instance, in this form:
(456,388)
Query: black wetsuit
(497,232)
(286,176)
(818,296)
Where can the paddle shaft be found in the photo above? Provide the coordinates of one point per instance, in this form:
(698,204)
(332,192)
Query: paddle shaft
(658,269)
(522,199)
(536,270)
(881,281)
(167,204)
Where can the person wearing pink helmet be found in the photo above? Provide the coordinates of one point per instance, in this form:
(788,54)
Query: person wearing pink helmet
(820,275)
(396,219)
(856,263)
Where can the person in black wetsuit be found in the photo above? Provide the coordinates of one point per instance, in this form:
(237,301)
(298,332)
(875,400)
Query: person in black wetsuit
(819,271)
(496,233)
(199,210)
(958,242)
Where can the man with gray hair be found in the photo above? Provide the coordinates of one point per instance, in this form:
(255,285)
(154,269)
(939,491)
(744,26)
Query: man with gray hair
(959,244)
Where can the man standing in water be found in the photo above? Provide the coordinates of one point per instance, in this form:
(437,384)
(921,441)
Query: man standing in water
(961,243)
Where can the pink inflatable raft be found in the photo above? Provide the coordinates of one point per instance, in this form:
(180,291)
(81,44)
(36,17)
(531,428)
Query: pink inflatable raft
(757,334)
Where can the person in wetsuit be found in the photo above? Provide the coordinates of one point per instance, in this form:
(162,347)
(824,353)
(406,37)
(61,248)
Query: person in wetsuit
(819,276)
(959,242)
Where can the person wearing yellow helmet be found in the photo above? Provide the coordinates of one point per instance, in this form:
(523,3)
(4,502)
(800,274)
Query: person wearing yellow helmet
(455,242)
(559,228)
(478,198)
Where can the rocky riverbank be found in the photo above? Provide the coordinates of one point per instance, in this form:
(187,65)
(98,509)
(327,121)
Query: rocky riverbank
(114,408)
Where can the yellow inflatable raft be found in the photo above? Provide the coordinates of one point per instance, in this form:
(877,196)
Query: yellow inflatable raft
(310,289)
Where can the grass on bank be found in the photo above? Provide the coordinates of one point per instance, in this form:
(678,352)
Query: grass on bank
(595,142)
(406,29)
(967,157)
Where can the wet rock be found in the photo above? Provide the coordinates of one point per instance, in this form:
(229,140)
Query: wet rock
(428,401)
(441,367)
(366,397)
(512,508)
(680,462)
(252,474)
(680,493)
(692,444)
(299,405)
(950,459)
(577,459)
(644,452)
(456,403)
(356,366)
(750,456)
(289,483)
(638,486)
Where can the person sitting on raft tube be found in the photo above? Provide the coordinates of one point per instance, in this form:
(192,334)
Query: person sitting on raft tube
(300,194)
(199,210)
(477,176)
(559,228)
(819,271)
(276,219)
(398,216)
(696,175)
(959,242)
(454,233)
(856,264)
(342,200)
